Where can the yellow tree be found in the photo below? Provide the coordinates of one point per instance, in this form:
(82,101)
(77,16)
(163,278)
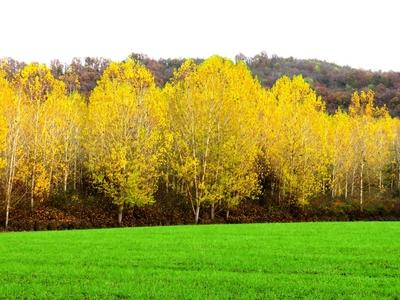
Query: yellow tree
(64,121)
(10,133)
(367,136)
(295,141)
(35,85)
(212,111)
(123,141)
(395,154)
(344,158)
(381,138)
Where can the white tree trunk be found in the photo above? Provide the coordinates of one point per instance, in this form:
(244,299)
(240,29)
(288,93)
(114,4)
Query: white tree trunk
(197,214)
(120,210)
(361,184)
(212,211)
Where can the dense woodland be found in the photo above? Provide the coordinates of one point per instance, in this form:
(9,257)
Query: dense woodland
(143,141)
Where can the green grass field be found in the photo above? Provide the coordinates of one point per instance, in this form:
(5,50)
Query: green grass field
(255,261)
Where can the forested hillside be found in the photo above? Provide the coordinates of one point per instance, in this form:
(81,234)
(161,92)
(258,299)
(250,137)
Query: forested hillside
(334,83)
(101,143)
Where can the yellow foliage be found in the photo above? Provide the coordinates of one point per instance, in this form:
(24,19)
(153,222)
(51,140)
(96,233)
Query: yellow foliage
(295,139)
(123,139)
(213,119)
(211,134)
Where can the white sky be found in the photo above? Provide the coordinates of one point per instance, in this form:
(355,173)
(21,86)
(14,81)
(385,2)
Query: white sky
(358,33)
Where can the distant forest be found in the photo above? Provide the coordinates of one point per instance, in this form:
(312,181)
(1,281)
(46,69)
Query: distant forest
(335,84)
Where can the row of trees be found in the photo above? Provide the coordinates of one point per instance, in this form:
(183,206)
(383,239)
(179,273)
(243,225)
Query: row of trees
(212,134)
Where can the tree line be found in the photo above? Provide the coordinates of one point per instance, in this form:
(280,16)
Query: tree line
(212,135)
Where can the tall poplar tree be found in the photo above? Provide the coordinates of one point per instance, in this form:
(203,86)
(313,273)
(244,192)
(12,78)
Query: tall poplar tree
(123,142)
(212,111)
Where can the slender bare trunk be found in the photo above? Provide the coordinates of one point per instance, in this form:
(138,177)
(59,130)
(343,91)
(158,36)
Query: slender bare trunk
(10,186)
(353,181)
(33,187)
(120,210)
(361,184)
(75,171)
(212,211)
(197,213)
(51,181)
(7,213)
(333,183)
(65,180)
(398,178)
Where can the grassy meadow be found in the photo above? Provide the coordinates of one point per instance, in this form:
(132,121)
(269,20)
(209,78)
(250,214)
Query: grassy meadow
(246,261)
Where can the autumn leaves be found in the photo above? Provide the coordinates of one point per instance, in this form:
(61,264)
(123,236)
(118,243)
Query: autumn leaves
(197,134)
(42,145)
(124,139)
(212,111)
(210,135)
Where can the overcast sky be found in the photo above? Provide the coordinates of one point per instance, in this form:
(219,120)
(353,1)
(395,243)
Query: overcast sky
(358,33)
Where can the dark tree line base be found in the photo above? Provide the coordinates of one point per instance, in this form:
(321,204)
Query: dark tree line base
(51,217)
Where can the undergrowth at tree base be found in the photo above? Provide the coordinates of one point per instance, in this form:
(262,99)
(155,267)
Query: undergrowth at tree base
(80,216)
